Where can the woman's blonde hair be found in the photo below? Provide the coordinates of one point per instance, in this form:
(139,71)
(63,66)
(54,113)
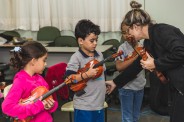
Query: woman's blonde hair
(136,16)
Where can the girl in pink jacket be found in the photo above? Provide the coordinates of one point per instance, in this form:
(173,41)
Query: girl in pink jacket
(30,60)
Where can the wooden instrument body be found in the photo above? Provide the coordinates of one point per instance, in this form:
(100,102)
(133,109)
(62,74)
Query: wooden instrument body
(141,51)
(82,84)
(43,92)
(137,51)
(35,95)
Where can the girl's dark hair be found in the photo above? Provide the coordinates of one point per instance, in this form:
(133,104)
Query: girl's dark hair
(136,16)
(85,27)
(26,53)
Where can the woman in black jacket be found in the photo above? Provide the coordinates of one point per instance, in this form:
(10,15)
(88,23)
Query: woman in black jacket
(165,50)
(165,46)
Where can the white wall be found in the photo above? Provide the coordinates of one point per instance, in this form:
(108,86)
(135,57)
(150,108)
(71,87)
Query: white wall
(166,11)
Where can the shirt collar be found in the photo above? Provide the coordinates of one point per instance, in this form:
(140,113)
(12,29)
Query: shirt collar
(86,56)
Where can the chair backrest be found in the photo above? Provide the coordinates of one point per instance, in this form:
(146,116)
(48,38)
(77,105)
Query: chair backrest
(12,33)
(54,77)
(114,49)
(48,33)
(113,42)
(110,65)
(6,90)
(65,41)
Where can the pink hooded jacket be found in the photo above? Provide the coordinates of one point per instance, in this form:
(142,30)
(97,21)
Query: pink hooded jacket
(23,85)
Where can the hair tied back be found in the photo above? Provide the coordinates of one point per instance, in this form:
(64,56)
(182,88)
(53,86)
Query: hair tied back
(135,5)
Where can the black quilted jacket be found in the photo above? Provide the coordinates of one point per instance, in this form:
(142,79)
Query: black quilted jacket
(166,45)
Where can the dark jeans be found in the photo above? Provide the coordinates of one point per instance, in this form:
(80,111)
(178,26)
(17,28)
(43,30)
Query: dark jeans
(177,111)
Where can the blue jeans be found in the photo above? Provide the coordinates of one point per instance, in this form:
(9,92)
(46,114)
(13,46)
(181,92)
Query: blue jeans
(88,116)
(131,102)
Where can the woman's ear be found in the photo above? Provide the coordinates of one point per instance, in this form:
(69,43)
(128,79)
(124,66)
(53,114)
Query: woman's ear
(134,26)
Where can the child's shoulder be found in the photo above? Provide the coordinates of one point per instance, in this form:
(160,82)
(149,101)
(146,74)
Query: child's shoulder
(76,54)
(125,46)
(125,43)
(21,74)
(75,57)
(98,52)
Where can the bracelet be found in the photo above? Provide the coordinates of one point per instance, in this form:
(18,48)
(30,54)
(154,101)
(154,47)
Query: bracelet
(82,76)
(86,75)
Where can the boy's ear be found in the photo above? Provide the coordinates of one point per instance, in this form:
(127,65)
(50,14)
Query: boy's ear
(80,41)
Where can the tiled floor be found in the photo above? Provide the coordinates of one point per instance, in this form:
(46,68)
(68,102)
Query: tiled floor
(114,115)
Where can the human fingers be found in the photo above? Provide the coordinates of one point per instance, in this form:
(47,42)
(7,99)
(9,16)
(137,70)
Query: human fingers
(111,86)
(46,106)
(92,65)
(148,55)
(50,102)
(92,72)
(151,70)
(142,64)
(44,102)
(108,89)
(145,64)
